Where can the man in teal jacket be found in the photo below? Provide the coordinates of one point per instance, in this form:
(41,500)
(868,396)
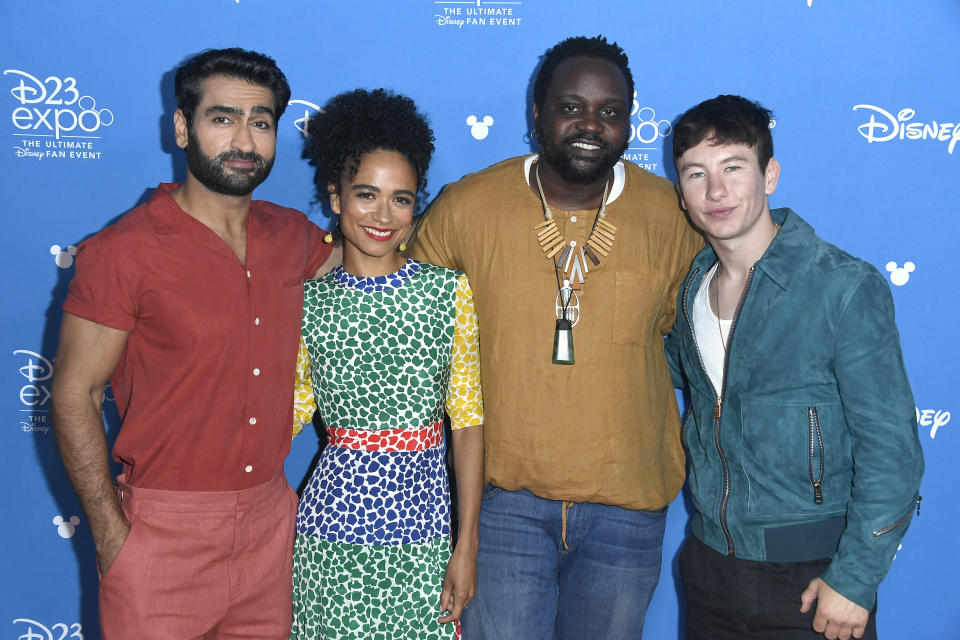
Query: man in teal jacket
(804,458)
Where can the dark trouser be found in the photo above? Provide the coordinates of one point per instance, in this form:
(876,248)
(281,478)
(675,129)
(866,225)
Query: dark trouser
(732,599)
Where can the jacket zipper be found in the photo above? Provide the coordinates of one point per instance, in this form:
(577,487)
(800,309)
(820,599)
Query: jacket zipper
(718,405)
(816,441)
(889,528)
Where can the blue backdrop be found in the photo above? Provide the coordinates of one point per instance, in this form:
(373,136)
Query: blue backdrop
(868,135)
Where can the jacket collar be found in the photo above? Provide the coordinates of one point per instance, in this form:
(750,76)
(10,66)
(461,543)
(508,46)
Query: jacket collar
(785,255)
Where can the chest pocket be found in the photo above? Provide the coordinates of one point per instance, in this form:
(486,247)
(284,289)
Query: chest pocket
(637,305)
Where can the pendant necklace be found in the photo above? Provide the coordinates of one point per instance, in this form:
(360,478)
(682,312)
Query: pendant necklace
(552,242)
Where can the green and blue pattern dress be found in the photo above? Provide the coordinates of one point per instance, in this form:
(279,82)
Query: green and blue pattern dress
(381,359)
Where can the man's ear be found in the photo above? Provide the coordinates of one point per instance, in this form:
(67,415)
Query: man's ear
(334,194)
(180,129)
(683,204)
(771,176)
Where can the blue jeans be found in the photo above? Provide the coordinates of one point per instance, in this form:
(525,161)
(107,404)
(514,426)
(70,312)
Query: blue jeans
(531,586)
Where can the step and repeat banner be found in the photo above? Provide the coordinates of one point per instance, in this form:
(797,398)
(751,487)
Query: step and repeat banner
(867,101)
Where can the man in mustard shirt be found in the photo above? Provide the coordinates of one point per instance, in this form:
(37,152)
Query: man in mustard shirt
(581,460)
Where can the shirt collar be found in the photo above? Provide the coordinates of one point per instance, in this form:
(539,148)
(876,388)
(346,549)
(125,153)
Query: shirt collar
(789,249)
(165,214)
(619,176)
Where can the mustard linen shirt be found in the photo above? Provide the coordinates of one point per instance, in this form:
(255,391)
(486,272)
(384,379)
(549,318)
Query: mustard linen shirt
(607,429)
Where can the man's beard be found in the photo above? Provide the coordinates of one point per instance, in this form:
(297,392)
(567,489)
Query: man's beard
(214,175)
(560,156)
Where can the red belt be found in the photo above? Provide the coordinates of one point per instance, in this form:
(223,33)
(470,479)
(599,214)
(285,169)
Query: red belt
(387,439)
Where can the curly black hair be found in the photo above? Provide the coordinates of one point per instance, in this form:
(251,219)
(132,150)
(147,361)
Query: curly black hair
(358,122)
(580,46)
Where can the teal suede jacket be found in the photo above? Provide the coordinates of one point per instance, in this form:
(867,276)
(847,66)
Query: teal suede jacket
(813,452)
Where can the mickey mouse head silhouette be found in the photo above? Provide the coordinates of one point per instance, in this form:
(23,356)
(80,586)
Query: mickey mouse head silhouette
(66,528)
(63,257)
(479,129)
(900,275)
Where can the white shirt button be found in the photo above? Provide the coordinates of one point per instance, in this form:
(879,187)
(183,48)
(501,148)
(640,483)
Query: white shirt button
(253,421)
(256,321)
(573,243)
(256,372)
(573,218)
(248,468)
(248,273)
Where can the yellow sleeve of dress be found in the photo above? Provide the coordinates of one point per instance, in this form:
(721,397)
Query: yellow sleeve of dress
(304,404)
(464,398)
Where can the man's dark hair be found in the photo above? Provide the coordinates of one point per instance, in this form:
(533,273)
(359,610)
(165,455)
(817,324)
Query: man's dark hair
(358,122)
(725,120)
(578,47)
(250,66)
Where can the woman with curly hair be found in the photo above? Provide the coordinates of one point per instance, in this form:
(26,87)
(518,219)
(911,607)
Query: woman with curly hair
(388,344)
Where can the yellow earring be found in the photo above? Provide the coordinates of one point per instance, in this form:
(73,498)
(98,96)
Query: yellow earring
(328,239)
(403,245)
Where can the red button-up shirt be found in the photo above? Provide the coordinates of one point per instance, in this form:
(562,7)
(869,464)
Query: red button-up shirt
(205,384)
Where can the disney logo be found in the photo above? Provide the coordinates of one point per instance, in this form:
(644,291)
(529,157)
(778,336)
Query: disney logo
(59,631)
(448,21)
(27,427)
(23,152)
(899,127)
(933,419)
(302,123)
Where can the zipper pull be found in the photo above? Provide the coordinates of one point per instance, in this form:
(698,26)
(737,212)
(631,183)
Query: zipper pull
(718,408)
(919,500)
(817,494)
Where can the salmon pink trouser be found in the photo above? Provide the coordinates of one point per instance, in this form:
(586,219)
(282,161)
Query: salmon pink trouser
(202,565)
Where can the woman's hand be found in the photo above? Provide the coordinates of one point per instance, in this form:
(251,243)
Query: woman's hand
(459,582)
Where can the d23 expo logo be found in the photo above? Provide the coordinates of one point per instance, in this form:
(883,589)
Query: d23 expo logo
(33,630)
(53,120)
(646,130)
(34,393)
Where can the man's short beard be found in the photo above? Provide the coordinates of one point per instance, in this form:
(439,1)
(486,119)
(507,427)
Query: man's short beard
(212,173)
(571,170)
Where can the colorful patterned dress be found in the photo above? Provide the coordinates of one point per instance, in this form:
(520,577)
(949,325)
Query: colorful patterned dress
(381,358)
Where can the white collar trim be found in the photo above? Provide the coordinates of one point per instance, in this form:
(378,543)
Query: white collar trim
(619,176)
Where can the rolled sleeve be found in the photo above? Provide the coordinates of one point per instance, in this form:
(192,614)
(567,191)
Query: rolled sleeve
(101,290)
(317,250)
